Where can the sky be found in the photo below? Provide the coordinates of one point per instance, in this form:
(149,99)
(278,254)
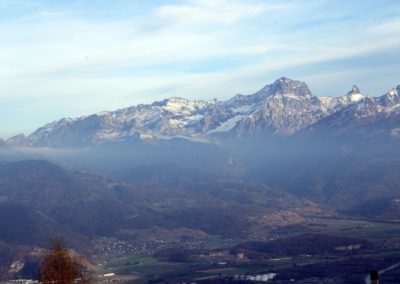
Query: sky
(68,58)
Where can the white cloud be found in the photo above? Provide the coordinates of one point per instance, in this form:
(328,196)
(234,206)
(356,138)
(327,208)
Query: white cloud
(391,27)
(208,12)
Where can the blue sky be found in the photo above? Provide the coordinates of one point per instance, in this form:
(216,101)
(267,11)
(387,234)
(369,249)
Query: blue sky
(68,58)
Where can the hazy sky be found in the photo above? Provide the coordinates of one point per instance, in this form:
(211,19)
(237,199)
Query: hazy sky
(70,58)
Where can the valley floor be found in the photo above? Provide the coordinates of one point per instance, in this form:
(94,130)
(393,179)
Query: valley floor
(213,261)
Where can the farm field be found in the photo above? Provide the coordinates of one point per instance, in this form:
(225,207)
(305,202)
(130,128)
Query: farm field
(217,260)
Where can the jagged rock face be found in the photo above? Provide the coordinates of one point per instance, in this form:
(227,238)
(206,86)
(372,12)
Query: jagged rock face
(390,99)
(286,109)
(282,108)
(285,86)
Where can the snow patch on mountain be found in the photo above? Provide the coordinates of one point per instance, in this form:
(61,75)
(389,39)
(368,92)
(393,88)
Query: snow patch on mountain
(356,97)
(228,124)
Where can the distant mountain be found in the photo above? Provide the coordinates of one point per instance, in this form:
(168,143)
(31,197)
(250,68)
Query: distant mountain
(282,108)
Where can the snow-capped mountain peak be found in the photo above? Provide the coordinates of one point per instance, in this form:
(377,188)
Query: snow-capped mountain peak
(287,87)
(355,94)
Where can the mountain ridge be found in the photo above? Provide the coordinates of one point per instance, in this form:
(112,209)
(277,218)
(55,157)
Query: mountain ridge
(284,107)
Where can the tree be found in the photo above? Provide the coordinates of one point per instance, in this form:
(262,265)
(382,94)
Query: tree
(60,267)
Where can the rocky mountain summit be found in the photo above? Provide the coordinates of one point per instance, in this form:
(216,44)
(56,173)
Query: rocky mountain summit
(282,108)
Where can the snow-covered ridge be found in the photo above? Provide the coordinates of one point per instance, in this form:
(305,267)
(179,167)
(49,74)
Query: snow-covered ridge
(283,108)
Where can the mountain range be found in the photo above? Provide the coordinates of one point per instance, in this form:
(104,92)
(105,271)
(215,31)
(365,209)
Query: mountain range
(283,108)
(337,151)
